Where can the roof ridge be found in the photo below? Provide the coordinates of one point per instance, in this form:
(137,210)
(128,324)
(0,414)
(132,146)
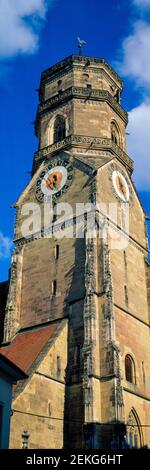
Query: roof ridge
(40,326)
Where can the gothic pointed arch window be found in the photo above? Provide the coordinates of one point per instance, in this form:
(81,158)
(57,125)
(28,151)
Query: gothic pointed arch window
(129,369)
(59,128)
(134,431)
(115,133)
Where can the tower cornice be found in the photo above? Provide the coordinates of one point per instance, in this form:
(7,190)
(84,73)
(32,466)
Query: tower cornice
(85,142)
(81,93)
(76,59)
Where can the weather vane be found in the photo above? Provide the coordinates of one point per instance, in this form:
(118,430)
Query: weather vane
(81,43)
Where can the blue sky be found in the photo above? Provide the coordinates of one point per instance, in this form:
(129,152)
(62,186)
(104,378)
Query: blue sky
(34,34)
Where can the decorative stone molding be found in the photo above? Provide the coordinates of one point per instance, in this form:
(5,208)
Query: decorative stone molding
(89,315)
(78,60)
(100,143)
(84,94)
(107,280)
(112,350)
(12,312)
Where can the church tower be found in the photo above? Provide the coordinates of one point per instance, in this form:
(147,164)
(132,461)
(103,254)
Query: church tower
(76,317)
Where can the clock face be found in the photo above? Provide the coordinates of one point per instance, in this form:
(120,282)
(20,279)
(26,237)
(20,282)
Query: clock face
(54,180)
(121,186)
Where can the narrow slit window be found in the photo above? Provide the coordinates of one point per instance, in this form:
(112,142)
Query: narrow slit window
(59,86)
(56,252)
(54,218)
(58,365)
(125,258)
(54,287)
(89,87)
(126,295)
(49,408)
(143,373)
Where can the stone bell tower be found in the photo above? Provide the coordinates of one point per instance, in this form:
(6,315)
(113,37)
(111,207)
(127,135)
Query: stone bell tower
(96,285)
(86,93)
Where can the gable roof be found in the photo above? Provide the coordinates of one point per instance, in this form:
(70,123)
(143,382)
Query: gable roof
(94,162)
(27,345)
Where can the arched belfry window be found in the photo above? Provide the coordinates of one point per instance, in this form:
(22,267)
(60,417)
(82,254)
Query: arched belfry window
(59,128)
(134,431)
(115,134)
(129,369)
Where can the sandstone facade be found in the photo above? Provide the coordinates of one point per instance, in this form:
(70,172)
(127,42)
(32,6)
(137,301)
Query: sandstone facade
(90,388)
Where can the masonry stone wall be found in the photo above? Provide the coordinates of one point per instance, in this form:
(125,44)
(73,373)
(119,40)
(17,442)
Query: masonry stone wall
(148,284)
(40,407)
(101,289)
(93,118)
(40,269)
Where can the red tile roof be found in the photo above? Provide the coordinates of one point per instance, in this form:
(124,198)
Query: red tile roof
(26,346)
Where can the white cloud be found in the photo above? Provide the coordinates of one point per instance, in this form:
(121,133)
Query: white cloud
(138,143)
(142,3)
(135,65)
(136,53)
(19,25)
(5,246)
